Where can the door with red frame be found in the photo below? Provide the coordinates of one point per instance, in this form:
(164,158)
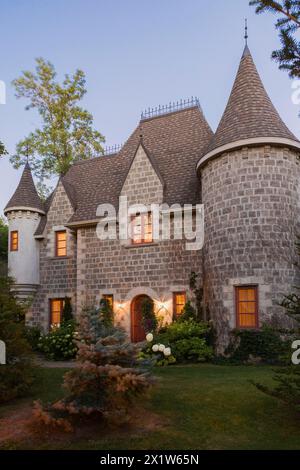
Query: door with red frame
(137,330)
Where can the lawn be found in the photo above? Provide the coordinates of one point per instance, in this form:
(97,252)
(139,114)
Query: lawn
(201,407)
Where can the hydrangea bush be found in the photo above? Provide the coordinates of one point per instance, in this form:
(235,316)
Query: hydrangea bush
(59,343)
(184,341)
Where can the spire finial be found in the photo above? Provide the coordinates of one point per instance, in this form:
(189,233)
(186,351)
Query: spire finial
(27,154)
(246,32)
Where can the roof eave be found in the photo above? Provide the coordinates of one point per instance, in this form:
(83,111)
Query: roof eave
(252,142)
(24,209)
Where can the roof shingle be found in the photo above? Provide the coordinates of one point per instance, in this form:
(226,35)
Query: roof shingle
(175,141)
(26,194)
(249,112)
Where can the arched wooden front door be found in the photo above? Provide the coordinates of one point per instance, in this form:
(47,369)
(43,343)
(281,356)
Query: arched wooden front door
(137,330)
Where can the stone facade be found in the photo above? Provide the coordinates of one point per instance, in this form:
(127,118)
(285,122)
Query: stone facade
(57,275)
(251,200)
(248,173)
(117,267)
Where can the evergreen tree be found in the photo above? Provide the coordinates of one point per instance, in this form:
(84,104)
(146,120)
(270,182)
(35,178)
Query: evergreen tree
(66,134)
(288,25)
(105,382)
(106,313)
(67,313)
(3,247)
(16,375)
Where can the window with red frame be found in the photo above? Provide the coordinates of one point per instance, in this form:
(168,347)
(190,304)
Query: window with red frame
(56,310)
(179,301)
(247,306)
(141,225)
(61,243)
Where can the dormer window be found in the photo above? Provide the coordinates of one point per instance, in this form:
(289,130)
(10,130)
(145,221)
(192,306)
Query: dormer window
(14,240)
(61,243)
(141,225)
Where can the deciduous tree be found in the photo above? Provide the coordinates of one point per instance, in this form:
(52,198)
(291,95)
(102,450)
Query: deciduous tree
(66,133)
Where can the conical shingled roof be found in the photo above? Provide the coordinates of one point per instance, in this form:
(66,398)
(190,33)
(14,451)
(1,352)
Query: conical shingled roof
(249,112)
(26,195)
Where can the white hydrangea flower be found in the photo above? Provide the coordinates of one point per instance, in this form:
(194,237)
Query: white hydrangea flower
(167,352)
(155,348)
(149,337)
(161,347)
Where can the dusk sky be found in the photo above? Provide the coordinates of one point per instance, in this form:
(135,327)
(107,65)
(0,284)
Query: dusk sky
(135,54)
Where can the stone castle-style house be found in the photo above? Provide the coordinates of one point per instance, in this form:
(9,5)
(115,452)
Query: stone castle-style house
(247,177)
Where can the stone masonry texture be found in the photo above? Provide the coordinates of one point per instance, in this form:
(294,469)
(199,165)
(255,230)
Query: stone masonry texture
(251,200)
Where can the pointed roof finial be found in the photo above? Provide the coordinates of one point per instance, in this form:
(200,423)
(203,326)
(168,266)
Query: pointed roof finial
(246,32)
(27,154)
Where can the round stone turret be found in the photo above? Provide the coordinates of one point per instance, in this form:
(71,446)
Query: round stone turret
(250,191)
(24,212)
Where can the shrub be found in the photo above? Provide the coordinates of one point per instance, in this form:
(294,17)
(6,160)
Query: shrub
(59,343)
(67,313)
(106,313)
(192,349)
(105,382)
(16,376)
(33,335)
(265,345)
(187,340)
(182,330)
(149,319)
(188,313)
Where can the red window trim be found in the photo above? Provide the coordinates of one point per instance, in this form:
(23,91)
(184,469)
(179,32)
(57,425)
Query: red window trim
(255,287)
(174,301)
(62,301)
(56,243)
(12,233)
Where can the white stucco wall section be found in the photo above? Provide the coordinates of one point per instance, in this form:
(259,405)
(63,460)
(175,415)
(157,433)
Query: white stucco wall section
(23,265)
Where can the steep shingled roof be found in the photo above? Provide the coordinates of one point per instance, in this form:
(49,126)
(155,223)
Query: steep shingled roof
(175,141)
(249,112)
(26,194)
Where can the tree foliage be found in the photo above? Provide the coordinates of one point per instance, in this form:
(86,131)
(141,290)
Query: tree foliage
(66,134)
(3,247)
(3,239)
(105,382)
(16,375)
(291,302)
(288,24)
(2,149)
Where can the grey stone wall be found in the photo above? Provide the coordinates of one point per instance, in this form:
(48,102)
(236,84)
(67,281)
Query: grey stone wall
(251,200)
(108,267)
(118,268)
(57,275)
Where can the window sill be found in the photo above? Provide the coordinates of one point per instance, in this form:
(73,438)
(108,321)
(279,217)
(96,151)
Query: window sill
(140,245)
(59,257)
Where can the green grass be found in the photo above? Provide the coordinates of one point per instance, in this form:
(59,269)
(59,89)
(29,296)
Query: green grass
(202,407)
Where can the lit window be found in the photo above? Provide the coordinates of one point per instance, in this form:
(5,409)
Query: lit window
(61,243)
(247,307)
(56,310)
(142,228)
(179,301)
(109,299)
(14,240)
